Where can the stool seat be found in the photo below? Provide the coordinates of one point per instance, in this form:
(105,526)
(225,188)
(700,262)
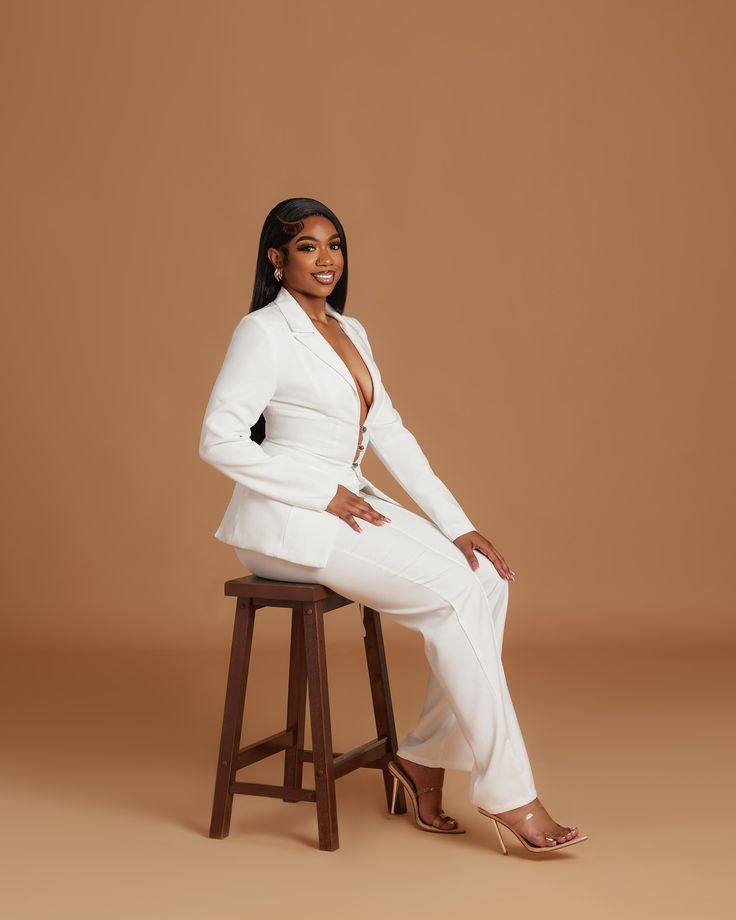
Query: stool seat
(270,590)
(307,676)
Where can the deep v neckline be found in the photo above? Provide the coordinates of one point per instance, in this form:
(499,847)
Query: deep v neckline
(350,373)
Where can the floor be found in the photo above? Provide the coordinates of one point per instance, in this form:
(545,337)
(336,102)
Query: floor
(107,786)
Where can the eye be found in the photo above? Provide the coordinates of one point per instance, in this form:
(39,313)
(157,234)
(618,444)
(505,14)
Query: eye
(306,247)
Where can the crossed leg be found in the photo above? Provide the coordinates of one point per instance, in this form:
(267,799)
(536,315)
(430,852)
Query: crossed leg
(409,571)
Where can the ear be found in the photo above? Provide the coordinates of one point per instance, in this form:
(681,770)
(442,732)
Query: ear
(275,257)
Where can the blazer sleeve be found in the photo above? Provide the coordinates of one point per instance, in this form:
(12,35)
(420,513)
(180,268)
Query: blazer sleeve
(244,387)
(398,450)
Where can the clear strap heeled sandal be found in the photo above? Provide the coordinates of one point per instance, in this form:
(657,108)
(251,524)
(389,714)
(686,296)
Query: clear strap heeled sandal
(533,848)
(414,793)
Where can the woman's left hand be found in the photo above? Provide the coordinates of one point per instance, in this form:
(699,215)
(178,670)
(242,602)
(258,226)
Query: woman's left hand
(469,542)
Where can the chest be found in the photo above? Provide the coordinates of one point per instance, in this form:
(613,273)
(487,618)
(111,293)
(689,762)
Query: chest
(338,339)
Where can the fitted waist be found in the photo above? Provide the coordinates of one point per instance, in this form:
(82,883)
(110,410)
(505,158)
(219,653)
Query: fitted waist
(350,478)
(347,472)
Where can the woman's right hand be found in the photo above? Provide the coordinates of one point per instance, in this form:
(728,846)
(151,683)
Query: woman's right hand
(349,505)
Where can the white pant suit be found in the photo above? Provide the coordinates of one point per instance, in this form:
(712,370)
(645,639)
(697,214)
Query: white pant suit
(409,571)
(277,364)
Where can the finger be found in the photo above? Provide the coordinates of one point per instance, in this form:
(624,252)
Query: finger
(349,519)
(376,518)
(500,564)
(472,560)
(497,561)
(367,513)
(506,566)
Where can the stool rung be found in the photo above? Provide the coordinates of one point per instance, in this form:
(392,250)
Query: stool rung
(372,754)
(307,680)
(360,756)
(276,792)
(264,748)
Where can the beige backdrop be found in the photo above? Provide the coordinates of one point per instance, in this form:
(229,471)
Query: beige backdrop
(539,202)
(538,199)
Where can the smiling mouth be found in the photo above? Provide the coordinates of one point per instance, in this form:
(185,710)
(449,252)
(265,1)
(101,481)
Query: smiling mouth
(324,277)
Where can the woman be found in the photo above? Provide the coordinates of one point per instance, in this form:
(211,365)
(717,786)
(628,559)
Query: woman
(298,365)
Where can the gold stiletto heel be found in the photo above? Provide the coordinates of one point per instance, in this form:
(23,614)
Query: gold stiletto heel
(414,793)
(529,846)
(393,796)
(500,838)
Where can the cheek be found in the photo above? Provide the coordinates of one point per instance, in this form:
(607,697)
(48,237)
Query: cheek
(302,262)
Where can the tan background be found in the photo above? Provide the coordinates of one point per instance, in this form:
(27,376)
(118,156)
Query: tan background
(539,202)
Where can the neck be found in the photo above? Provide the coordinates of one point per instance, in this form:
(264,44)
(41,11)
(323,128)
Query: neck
(313,305)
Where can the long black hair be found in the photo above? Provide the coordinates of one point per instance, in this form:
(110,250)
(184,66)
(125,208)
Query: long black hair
(283,222)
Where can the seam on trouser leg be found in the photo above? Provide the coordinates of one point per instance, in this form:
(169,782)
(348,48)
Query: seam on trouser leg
(394,525)
(464,564)
(473,573)
(452,606)
(447,600)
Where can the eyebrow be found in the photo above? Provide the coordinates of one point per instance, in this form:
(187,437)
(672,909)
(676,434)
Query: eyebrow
(315,238)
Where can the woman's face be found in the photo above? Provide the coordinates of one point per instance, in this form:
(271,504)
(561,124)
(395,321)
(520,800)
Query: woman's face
(315,258)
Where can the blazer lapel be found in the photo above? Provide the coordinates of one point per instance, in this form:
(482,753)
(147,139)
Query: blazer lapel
(357,340)
(304,332)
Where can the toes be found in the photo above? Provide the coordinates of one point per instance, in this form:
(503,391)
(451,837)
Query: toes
(442,820)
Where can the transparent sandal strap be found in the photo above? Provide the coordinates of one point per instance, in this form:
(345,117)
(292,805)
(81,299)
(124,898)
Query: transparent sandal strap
(531,815)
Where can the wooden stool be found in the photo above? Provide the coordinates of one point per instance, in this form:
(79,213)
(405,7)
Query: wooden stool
(307,668)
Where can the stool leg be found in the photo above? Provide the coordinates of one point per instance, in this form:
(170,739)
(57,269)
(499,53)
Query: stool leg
(319,710)
(232,721)
(375,655)
(296,702)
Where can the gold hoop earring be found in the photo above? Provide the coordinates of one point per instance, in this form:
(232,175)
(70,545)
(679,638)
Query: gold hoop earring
(278,275)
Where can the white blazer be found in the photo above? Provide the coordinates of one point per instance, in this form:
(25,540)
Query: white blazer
(278,364)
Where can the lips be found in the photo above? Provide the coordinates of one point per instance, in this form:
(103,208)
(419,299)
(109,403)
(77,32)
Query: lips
(324,277)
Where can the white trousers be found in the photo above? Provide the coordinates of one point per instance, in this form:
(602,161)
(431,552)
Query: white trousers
(409,571)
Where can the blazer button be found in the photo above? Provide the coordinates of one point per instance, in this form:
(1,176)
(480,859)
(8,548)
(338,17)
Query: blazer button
(355,463)
(363,428)
(361,447)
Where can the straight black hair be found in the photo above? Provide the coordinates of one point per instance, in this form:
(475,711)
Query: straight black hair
(283,222)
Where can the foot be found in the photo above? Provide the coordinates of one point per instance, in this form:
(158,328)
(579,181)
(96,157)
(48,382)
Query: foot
(430,803)
(540,829)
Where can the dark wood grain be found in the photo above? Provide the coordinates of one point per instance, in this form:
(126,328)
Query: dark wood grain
(307,677)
